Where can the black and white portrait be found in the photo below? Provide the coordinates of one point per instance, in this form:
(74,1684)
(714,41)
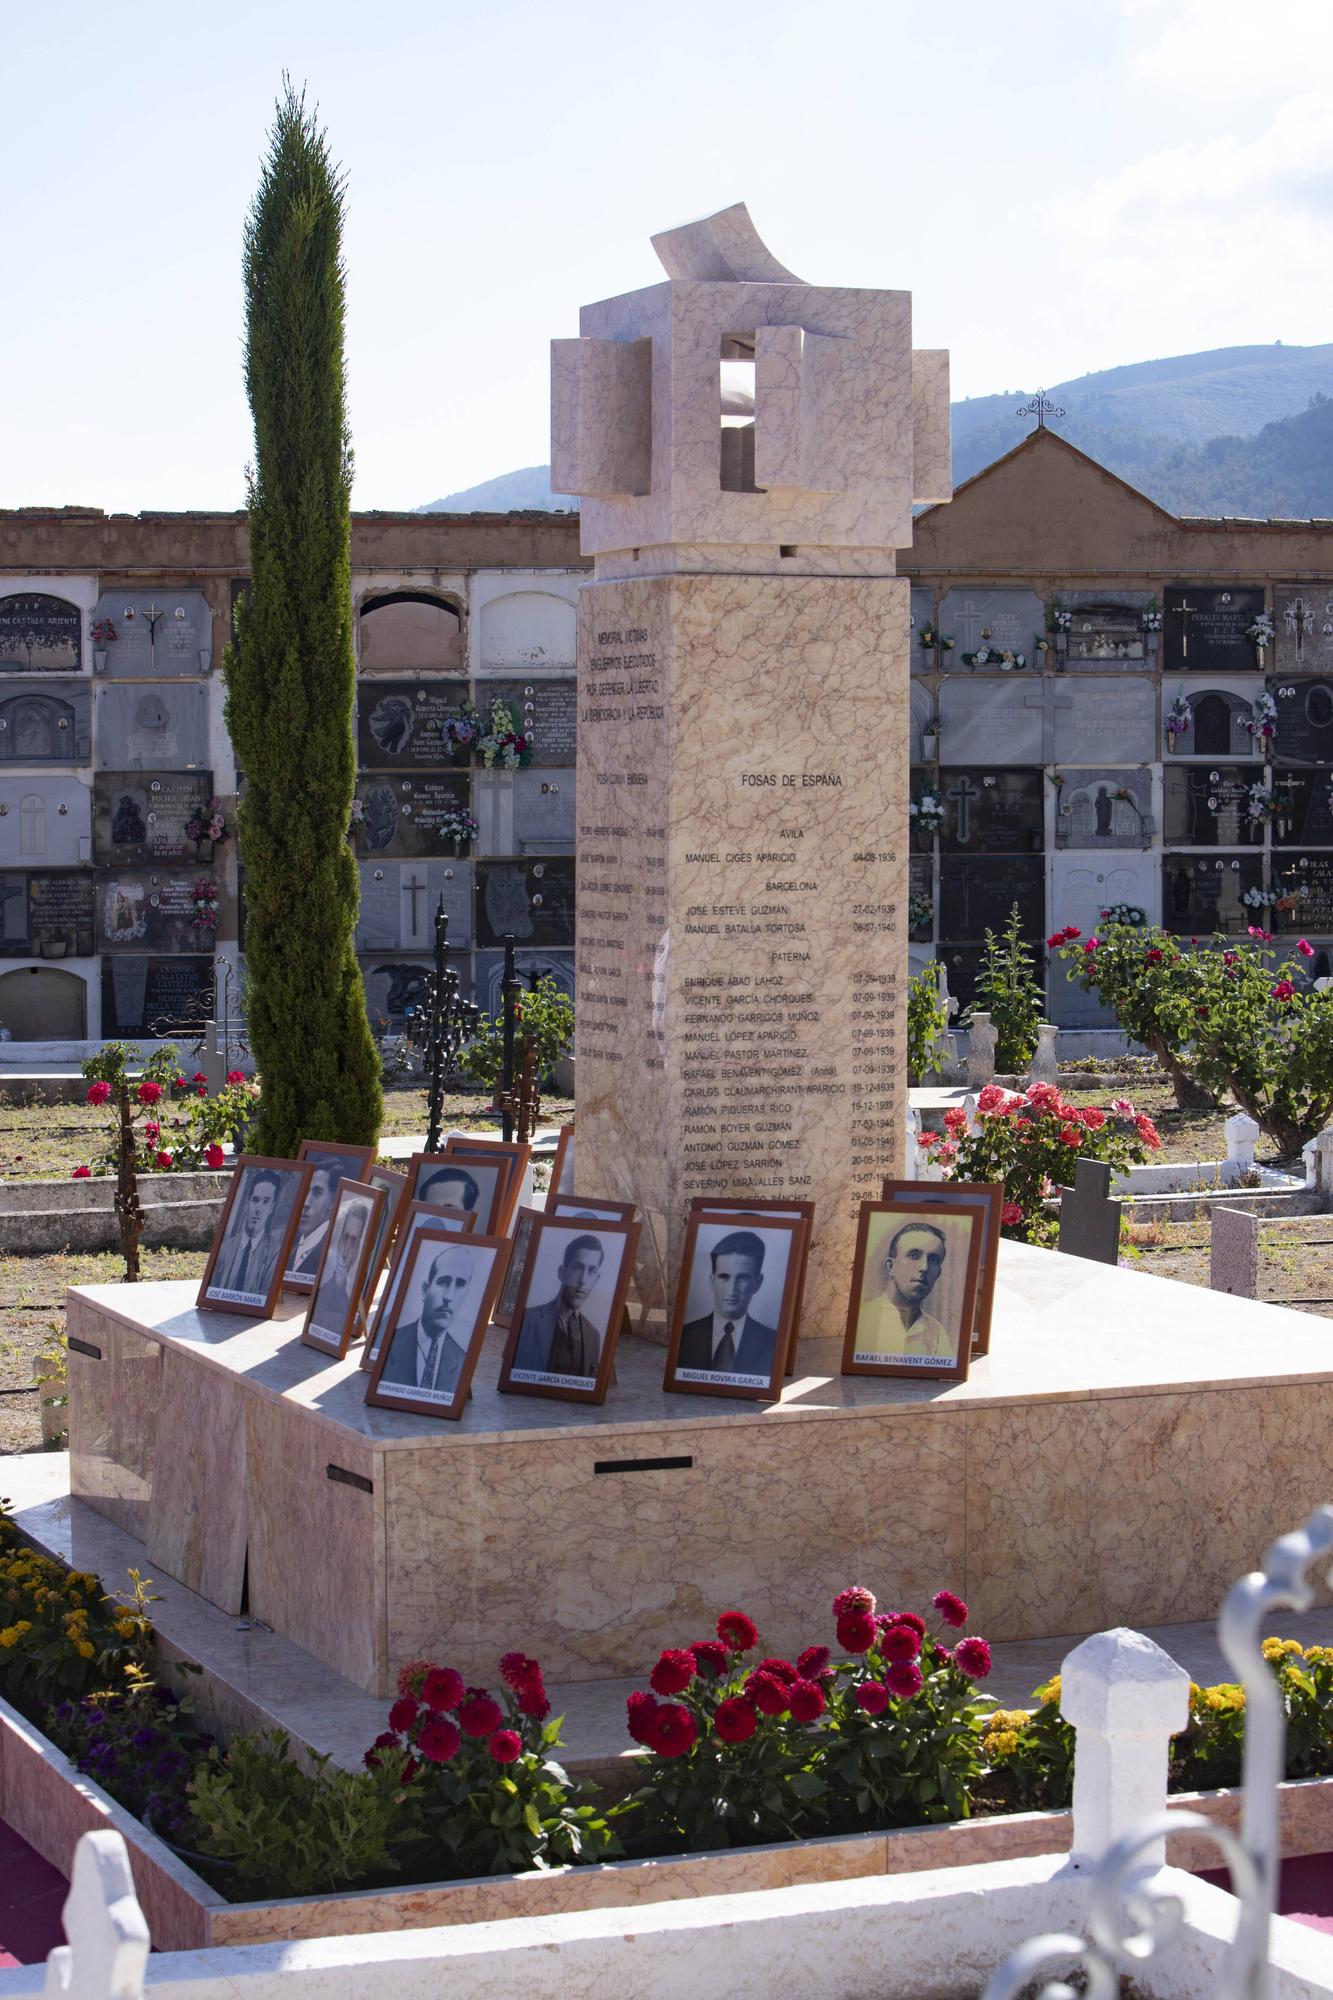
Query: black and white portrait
(244,1270)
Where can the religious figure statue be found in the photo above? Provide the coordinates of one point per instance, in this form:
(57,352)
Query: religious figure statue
(127,827)
(1102,807)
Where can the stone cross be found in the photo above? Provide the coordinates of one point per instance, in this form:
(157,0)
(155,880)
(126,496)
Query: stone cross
(1089,1217)
(107,1952)
(971,621)
(962,794)
(981,1050)
(1050,702)
(1126,1698)
(1044,1067)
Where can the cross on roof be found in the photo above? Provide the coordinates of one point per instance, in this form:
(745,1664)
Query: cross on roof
(1040,407)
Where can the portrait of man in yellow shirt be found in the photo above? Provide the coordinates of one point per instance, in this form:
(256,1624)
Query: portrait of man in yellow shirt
(895,1323)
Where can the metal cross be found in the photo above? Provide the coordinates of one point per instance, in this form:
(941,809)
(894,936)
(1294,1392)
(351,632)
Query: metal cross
(1040,407)
(962,794)
(413,888)
(1185,608)
(1300,620)
(972,623)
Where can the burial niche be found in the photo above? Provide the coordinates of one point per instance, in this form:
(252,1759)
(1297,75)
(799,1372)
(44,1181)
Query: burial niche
(410,631)
(1212,726)
(40,1004)
(36,728)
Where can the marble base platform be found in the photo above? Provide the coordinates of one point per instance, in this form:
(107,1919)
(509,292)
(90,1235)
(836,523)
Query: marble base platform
(1128,1448)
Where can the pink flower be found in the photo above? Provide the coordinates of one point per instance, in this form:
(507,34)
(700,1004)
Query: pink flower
(163,1160)
(1092,1117)
(1091,946)
(950,1607)
(1305,948)
(872,1697)
(904,1680)
(856,1632)
(148,1091)
(1071,1135)
(1043,1095)
(1231,957)
(214,1157)
(955,1119)
(1010,1215)
(1147,1131)
(1284,990)
(899,1643)
(855,1598)
(972,1657)
(806,1701)
(81,1174)
(947,1153)
(505,1746)
(991,1098)
(99,1093)
(1122,1107)
(236,1076)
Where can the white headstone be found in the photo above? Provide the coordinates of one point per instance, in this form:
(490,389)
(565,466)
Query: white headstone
(1126,1698)
(1242,1134)
(107,1952)
(981,1050)
(1044,1067)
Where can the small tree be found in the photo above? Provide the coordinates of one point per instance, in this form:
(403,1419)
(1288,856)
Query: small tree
(1008,989)
(291,675)
(544,1012)
(926,1021)
(1151,986)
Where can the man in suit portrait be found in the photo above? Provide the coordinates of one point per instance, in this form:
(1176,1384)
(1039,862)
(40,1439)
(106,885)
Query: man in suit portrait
(249,1254)
(449,1187)
(314,1224)
(896,1322)
(729,1340)
(423,1353)
(557,1338)
(333,1298)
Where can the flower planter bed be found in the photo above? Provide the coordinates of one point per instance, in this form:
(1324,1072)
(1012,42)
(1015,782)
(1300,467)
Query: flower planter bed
(50,1804)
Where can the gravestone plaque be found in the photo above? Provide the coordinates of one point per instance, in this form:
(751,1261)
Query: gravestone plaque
(152,728)
(1306,815)
(1083,885)
(1206,629)
(1007,620)
(977,892)
(49,723)
(530,965)
(1305,882)
(1202,894)
(1219,721)
(60,915)
(1304,721)
(158,633)
(397,988)
(530,901)
(1303,616)
(156,996)
(150,910)
(545,711)
(409,815)
(992,720)
(1209,808)
(1105,630)
(1103,809)
(45,820)
(923,617)
(920,904)
(40,634)
(141,816)
(992,812)
(400,724)
(399,900)
(1102,721)
(13,914)
(543,812)
(921,714)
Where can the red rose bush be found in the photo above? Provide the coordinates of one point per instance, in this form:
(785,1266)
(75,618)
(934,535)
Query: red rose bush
(740,1751)
(482,1788)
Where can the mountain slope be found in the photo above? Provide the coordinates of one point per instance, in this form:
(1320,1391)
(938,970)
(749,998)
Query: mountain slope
(512,492)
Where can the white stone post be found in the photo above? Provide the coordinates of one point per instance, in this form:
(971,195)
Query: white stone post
(1045,1068)
(1242,1134)
(107,1951)
(1323,1165)
(1126,1698)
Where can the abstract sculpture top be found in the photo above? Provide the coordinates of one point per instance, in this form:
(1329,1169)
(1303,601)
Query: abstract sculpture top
(734,418)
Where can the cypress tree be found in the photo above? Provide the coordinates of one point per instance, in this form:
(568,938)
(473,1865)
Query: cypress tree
(291,674)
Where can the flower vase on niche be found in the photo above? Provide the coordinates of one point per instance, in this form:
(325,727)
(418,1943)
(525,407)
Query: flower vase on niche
(203,850)
(99,660)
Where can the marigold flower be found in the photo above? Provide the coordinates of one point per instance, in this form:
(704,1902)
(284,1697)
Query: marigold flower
(148,1091)
(1002,1743)
(1010,1215)
(710,1657)
(806,1701)
(855,1598)
(403,1713)
(972,1657)
(899,1643)
(439,1740)
(505,1746)
(672,1730)
(735,1719)
(99,1093)
(738,1631)
(480,1713)
(950,1607)
(872,1697)
(904,1680)
(443,1688)
(856,1632)
(674,1671)
(768,1693)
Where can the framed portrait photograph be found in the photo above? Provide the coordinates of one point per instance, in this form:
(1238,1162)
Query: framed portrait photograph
(337,1305)
(562,1162)
(518,1156)
(805,1211)
(735,1304)
(914,1290)
(416,1216)
(521,1237)
(394,1185)
(254,1237)
(441,1309)
(333,1164)
(988,1198)
(569,1308)
(477,1187)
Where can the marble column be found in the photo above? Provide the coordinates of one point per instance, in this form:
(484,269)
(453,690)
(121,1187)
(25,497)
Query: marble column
(741,927)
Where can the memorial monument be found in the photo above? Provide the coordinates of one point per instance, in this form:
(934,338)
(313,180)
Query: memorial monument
(747,450)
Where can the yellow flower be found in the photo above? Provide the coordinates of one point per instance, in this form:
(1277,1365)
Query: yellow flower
(13,1633)
(84,1647)
(1002,1744)
(1051,1691)
(1277,1649)
(126,1627)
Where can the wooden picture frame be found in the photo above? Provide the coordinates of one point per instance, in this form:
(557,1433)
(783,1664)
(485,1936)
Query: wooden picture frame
(348,1163)
(336,1315)
(227,1259)
(521,1238)
(988,1197)
(450,1258)
(395,1184)
(559,1259)
(749,1245)
(562,1162)
(489,1182)
(878,1341)
(518,1154)
(414,1216)
(711,1205)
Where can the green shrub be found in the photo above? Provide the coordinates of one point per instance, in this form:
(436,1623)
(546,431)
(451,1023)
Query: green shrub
(1150,984)
(544,1011)
(1008,989)
(927,1019)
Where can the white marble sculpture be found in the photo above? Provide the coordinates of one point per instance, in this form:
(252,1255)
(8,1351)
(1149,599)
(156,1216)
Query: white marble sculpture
(1044,1065)
(1242,1132)
(981,1050)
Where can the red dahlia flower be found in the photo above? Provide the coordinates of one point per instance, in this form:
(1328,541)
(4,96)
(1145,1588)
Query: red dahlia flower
(480,1714)
(442,1688)
(199,1077)
(872,1697)
(386,1740)
(672,1730)
(911,1618)
(710,1657)
(1154,956)
(515,1668)
(738,1631)
(403,1713)
(972,1657)
(950,1607)
(735,1719)
(236,1076)
(640,1708)
(899,1643)
(99,1093)
(674,1671)
(814,1663)
(505,1746)
(1071,1135)
(855,1598)
(904,1680)
(806,1701)
(214,1157)
(856,1632)
(781,1670)
(439,1740)
(768,1693)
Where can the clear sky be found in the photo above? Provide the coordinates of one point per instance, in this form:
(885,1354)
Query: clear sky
(1063,185)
